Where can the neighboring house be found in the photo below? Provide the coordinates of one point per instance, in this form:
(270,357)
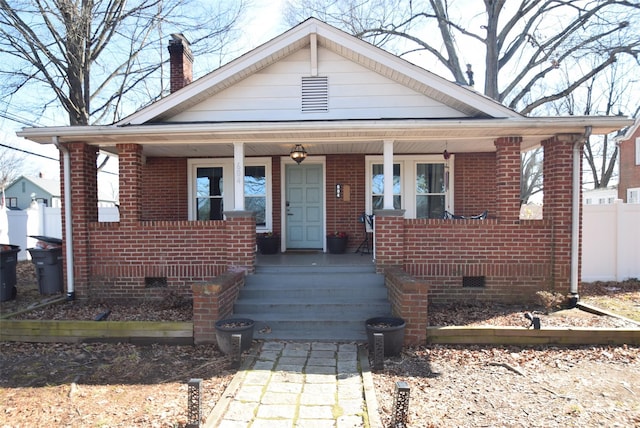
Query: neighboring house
(205,169)
(629,144)
(599,196)
(24,190)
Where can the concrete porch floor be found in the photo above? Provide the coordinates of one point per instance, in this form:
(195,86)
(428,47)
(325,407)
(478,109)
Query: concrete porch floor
(312,258)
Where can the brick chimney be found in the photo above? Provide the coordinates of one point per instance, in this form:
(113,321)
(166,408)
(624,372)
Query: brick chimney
(181,59)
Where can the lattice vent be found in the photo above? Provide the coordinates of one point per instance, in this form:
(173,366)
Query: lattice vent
(315,94)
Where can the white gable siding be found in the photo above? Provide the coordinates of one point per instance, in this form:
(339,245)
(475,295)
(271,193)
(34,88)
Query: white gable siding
(354,93)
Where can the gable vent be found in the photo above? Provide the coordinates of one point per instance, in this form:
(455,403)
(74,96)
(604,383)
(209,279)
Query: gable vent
(315,94)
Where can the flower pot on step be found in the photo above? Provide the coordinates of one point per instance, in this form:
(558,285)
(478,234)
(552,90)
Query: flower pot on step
(337,244)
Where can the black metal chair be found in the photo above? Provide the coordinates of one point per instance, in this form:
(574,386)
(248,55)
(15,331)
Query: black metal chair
(451,216)
(365,246)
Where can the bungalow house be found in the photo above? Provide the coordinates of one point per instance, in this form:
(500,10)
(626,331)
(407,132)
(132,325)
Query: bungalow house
(629,144)
(299,137)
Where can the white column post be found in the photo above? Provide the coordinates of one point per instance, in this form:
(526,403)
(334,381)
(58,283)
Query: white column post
(388,175)
(238,176)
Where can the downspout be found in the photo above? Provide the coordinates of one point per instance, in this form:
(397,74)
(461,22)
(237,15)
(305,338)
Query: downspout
(575,216)
(68,240)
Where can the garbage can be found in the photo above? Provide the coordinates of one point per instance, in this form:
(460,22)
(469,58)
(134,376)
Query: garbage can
(47,258)
(8,280)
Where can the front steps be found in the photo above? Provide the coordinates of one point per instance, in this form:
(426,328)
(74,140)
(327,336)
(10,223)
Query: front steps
(312,303)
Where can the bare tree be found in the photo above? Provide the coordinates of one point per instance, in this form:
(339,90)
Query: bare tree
(531,174)
(537,54)
(11,167)
(98,59)
(523,42)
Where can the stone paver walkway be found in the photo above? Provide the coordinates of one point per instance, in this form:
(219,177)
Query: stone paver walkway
(300,385)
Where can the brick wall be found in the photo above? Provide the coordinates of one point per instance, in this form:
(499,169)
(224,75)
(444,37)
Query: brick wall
(629,171)
(514,259)
(164,189)
(212,301)
(343,215)
(84,206)
(475,183)
(122,256)
(408,298)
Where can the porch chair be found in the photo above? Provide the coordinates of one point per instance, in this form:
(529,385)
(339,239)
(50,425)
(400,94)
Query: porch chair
(451,216)
(365,246)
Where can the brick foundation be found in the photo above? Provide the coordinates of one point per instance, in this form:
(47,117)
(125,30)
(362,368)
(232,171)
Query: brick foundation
(408,298)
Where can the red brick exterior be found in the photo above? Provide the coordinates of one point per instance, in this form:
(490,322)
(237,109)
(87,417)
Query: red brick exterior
(181,64)
(629,171)
(154,239)
(164,189)
(343,214)
(408,296)
(213,300)
(475,183)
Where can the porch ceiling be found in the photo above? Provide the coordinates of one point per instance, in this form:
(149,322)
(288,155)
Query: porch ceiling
(327,137)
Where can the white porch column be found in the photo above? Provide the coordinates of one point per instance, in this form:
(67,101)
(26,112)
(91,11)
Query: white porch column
(388,175)
(238,176)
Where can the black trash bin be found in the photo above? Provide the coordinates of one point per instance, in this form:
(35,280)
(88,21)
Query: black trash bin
(8,280)
(47,258)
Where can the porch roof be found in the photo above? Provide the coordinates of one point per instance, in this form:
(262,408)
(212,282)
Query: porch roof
(326,137)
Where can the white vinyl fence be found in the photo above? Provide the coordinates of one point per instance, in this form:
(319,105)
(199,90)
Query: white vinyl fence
(38,220)
(610,242)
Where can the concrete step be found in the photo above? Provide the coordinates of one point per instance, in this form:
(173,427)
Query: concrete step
(318,308)
(318,303)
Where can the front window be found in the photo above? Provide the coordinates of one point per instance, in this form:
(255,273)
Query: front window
(420,185)
(430,190)
(255,192)
(211,189)
(377,187)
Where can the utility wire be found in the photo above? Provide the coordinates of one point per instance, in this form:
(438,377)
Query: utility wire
(30,153)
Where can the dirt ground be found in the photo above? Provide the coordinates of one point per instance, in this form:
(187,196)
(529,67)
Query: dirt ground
(123,385)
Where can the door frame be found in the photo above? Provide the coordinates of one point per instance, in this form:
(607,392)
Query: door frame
(284,161)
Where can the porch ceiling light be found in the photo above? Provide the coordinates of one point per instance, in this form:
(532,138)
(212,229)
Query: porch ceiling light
(298,153)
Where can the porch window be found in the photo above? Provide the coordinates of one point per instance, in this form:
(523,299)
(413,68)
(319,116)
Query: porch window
(377,186)
(430,190)
(255,192)
(633,196)
(421,185)
(211,189)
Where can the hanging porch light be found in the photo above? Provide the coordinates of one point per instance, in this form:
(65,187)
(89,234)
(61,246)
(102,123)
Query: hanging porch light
(298,153)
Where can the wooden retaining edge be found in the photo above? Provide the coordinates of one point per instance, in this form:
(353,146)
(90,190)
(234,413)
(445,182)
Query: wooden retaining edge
(523,336)
(179,333)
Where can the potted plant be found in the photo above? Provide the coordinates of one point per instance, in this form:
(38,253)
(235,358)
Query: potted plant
(226,328)
(337,242)
(392,329)
(269,243)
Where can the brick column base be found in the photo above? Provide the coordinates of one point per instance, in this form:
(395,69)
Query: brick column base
(212,301)
(389,238)
(409,300)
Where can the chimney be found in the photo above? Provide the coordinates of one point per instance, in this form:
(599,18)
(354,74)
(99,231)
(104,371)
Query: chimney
(181,60)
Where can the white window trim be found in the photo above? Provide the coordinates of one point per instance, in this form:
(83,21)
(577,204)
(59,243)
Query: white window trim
(638,151)
(228,184)
(630,199)
(408,179)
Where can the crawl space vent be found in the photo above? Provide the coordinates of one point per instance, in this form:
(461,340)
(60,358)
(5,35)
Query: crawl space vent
(473,281)
(315,94)
(155,281)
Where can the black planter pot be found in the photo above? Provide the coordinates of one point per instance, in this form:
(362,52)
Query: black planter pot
(269,244)
(393,331)
(226,328)
(337,245)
